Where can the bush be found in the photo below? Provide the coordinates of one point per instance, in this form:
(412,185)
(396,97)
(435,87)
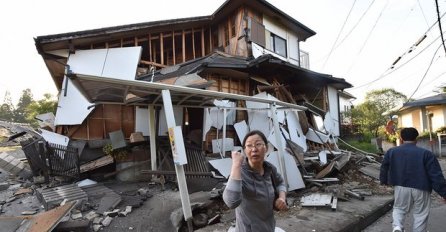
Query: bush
(441,130)
(425,135)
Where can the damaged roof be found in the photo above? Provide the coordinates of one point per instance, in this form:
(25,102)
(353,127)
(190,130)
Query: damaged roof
(100,90)
(266,64)
(60,41)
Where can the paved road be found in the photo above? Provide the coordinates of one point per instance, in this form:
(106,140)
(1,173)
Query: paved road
(437,222)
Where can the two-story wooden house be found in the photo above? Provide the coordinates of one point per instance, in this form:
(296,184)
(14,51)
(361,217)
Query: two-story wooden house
(245,47)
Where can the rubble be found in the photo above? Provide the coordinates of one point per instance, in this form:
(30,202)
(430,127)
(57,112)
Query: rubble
(328,174)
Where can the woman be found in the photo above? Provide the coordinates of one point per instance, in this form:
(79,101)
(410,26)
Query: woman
(250,188)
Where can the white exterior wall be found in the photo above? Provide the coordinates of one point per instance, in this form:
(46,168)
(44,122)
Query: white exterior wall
(334,108)
(439,117)
(290,37)
(344,104)
(417,118)
(406,120)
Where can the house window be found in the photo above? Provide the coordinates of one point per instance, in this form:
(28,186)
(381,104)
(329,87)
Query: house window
(278,45)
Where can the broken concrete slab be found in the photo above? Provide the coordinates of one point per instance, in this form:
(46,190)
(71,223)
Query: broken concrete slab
(14,166)
(371,170)
(52,197)
(73,226)
(320,200)
(106,198)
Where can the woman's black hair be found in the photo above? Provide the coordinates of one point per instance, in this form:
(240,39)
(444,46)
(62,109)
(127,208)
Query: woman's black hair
(255,132)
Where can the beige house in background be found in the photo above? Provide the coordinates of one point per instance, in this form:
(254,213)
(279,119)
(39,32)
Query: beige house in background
(424,114)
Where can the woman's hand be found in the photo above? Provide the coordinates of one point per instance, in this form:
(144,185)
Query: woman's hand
(237,158)
(237,161)
(280,204)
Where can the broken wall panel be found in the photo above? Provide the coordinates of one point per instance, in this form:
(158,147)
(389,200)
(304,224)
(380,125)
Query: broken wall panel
(103,120)
(332,115)
(293,174)
(142,119)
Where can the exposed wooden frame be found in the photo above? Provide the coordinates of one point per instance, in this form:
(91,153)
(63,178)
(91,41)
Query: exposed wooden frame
(184,46)
(203,52)
(193,43)
(173,48)
(162,48)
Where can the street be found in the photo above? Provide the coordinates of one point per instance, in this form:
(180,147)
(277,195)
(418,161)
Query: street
(436,218)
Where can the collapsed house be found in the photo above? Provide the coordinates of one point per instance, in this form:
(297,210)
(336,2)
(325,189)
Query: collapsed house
(201,82)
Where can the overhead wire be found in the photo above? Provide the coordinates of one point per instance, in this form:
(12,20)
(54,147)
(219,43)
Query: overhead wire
(340,31)
(422,12)
(368,37)
(439,25)
(385,72)
(424,76)
(354,26)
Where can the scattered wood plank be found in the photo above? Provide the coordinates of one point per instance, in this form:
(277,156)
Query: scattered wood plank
(104,160)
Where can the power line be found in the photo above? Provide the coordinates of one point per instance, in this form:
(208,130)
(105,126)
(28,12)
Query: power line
(439,25)
(356,24)
(422,12)
(386,73)
(368,36)
(427,70)
(342,28)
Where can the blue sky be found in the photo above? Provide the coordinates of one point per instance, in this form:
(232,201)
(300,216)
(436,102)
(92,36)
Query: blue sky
(386,31)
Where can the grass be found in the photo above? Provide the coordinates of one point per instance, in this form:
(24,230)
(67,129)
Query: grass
(361,145)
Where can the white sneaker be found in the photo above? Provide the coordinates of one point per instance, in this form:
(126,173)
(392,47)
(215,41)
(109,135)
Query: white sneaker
(397,229)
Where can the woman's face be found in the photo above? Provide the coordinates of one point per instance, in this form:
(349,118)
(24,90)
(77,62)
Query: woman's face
(255,149)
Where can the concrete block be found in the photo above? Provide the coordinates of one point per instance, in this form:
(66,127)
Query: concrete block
(4,186)
(107,220)
(73,226)
(3,155)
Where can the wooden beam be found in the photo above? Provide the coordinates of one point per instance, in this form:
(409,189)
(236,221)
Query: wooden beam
(237,32)
(203,53)
(152,63)
(193,43)
(173,47)
(162,48)
(150,48)
(210,40)
(184,46)
(104,128)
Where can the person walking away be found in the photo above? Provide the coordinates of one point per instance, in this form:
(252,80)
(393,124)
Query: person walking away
(414,172)
(250,188)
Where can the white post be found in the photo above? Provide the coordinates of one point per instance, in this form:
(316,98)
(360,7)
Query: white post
(179,169)
(223,152)
(152,137)
(280,148)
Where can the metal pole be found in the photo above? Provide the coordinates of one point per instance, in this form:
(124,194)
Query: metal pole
(280,148)
(223,152)
(179,169)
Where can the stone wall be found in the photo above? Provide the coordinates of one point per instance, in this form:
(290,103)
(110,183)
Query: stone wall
(424,143)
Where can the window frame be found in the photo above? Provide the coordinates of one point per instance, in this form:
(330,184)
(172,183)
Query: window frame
(274,40)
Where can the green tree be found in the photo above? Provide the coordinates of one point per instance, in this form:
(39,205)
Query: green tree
(25,100)
(376,109)
(42,106)
(7,108)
